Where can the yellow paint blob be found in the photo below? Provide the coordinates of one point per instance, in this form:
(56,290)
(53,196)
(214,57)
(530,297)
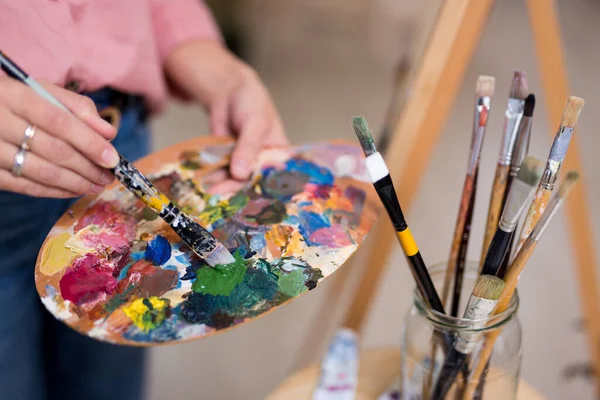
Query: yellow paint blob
(157,203)
(147,314)
(56,255)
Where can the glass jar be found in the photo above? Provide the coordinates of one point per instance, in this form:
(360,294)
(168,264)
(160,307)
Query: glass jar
(426,332)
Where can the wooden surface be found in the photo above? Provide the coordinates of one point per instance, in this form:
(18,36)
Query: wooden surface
(379,368)
(551,61)
(449,50)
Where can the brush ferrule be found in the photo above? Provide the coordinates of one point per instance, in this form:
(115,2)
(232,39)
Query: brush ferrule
(376,167)
(550,174)
(561,143)
(518,196)
(513,114)
(478,309)
(521,147)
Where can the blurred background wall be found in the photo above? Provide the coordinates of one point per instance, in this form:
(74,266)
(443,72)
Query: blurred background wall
(326,61)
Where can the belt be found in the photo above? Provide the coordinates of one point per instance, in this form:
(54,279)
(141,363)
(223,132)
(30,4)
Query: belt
(111,103)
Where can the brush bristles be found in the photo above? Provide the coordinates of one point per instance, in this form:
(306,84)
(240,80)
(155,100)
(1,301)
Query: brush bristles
(529,105)
(571,112)
(361,129)
(566,186)
(488,287)
(531,170)
(219,256)
(518,88)
(485,86)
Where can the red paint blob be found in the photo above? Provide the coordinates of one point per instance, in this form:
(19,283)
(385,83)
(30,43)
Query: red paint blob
(106,215)
(88,279)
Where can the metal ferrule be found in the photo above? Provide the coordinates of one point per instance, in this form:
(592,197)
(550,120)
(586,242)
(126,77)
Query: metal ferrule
(513,114)
(550,174)
(507,226)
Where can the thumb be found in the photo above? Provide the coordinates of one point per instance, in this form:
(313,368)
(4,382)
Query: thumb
(82,107)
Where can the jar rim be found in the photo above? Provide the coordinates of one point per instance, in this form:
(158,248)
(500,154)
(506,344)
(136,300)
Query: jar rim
(492,322)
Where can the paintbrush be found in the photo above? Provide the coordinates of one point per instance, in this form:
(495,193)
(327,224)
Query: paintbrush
(512,118)
(519,196)
(482,302)
(193,234)
(382,181)
(558,151)
(514,272)
(484,91)
(519,153)
(339,368)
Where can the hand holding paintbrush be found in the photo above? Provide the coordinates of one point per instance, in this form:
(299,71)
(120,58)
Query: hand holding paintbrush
(513,274)
(193,234)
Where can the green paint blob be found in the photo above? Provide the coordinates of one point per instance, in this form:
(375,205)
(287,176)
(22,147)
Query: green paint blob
(220,279)
(292,283)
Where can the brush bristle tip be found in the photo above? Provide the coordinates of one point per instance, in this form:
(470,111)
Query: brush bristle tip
(519,89)
(529,105)
(531,170)
(485,85)
(488,287)
(572,111)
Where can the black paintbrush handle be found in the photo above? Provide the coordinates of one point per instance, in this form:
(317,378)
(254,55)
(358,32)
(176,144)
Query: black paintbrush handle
(424,282)
(506,260)
(455,362)
(497,252)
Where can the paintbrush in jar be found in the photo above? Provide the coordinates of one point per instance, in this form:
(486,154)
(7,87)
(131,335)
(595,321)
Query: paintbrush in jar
(558,152)
(519,196)
(456,264)
(513,274)
(512,118)
(482,302)
(196,237)
(382,181)
(519,153)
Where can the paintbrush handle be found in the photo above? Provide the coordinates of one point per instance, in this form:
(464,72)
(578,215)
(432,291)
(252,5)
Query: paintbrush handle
(497,201)
(510,280)
(496,253)
(457,238)
(536,209)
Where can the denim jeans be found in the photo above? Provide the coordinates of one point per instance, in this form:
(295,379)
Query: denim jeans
(40,357)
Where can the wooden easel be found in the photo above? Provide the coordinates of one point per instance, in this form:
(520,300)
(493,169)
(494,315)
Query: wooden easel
(435,84)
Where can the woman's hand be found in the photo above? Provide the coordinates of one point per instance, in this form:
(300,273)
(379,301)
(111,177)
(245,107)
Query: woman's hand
(231,91)
(68,156)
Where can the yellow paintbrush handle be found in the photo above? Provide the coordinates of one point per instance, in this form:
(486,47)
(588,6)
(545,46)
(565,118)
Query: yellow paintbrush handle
(496,207)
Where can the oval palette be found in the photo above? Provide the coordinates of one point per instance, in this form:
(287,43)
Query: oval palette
(113,270)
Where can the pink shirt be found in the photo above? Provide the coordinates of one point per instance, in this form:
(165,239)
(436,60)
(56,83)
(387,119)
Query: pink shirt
(96,43)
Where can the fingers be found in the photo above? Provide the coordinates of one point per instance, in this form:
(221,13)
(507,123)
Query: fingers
(219,119)
(24,186)
(38,170)
(52,149)
(249,144)
(83,107)
(33,108)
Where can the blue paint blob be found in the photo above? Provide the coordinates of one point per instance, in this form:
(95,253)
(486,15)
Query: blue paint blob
(310,222)
(318,175)
(158,251)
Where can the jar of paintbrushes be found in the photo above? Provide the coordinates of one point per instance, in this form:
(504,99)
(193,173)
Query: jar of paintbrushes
(440,351)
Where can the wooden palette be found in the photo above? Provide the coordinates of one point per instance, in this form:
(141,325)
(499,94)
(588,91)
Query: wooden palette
(111,269)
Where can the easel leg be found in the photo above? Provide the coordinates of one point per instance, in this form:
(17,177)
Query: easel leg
(546,35)
(449,50)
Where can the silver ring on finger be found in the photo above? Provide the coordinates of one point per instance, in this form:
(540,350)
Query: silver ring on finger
(19,160)
(29,134)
